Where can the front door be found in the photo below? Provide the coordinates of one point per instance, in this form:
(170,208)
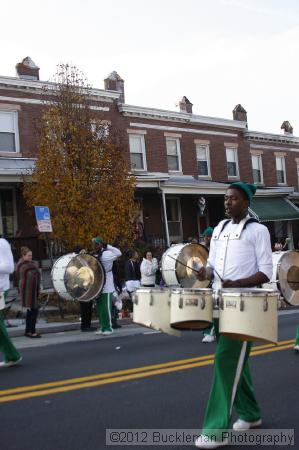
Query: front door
(174,219)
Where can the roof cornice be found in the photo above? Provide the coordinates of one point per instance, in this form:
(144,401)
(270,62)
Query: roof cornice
(38,87)
(271,137)
(162,114)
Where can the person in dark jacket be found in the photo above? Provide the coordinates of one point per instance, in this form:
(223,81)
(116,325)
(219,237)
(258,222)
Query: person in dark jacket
(28,277)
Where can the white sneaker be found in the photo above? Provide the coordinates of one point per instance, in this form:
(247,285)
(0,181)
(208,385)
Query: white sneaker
(98,332)
(107,333)
(208,338)
(10,363)
(242,425)
(296,348)
(204,441)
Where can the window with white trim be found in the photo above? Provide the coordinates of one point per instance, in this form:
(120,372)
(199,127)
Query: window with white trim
(9,141)
(173,154)
(137,152)
(232,162)
(257,169)
(6,212)
(280,170)
(203,160)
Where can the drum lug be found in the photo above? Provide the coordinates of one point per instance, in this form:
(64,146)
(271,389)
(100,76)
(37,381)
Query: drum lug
(181,302)
(151,300)
(203,303)
(242,305)
(265,305)
(135,299)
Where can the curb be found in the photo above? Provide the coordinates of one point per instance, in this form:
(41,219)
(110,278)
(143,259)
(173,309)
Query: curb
(56,327)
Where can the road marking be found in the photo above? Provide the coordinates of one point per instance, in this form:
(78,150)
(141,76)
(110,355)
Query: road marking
(67,385)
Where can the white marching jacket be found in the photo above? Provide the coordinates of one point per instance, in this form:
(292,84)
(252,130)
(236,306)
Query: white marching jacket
(148,271)
(6,264)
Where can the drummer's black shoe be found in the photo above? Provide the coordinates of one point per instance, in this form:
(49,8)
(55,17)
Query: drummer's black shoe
(115,326)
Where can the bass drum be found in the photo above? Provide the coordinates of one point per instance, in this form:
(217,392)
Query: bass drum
(175,260)
(285,276)
(78,277)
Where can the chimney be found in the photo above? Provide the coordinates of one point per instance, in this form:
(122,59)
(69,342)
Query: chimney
(239,113)
(185,105)
(27,69)
(115,83)
(287,128)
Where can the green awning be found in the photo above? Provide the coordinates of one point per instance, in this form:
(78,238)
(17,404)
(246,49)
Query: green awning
(268,209)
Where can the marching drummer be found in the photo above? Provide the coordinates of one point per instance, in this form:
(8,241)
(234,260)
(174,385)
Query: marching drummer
(106,254)
(240,257)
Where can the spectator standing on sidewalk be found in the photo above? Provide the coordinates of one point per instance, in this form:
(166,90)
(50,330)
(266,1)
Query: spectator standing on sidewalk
(11,355)
(28,277)
(148,269)
(132,274)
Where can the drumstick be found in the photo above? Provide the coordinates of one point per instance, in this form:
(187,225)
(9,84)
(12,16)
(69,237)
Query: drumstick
(191,268)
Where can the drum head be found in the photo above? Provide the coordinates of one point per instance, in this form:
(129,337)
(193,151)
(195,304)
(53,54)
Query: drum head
(194,256)
(288,276)
(84,278)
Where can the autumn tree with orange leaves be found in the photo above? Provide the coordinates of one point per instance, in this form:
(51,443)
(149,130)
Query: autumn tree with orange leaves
(81,173)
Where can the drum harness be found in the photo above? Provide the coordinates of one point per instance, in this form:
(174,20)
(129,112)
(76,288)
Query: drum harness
(223,252)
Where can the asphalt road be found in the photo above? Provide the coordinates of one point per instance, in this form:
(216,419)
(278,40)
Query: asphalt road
(72,386)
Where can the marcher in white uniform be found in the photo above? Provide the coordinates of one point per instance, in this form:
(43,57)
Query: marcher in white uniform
(106,254)
(241,254)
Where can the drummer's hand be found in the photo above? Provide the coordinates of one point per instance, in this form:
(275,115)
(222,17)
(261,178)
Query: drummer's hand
(230,284)
(202,274)
(83,251)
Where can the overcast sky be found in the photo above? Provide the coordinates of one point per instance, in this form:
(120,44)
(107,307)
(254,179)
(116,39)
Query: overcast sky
(216,52)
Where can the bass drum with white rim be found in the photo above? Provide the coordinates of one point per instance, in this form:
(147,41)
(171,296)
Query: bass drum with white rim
(151,308)
(175,260)
(285,276)
(78,277)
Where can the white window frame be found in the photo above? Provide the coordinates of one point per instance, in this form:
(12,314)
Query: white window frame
(143,151)
(207,149)
(14,114)
(235,150)
(282,157)
(178,147)
(260,165)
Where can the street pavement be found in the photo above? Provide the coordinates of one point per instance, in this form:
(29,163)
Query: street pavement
(72,386)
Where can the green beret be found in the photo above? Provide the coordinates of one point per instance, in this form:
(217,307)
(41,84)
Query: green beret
(98,240)
(247,188)
(208,231)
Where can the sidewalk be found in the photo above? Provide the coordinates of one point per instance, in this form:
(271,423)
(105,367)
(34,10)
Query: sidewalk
(16,326)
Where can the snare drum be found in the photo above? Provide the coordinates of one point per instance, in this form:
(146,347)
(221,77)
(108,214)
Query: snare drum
(191,309)
(175,260)
(249,314)
(151,308)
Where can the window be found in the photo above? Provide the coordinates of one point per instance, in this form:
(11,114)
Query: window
(280,170)
(173,154)
(6,212)
(203,160)
(298,174)
(232,163)
(257,169)
(137,152)
(9,131)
